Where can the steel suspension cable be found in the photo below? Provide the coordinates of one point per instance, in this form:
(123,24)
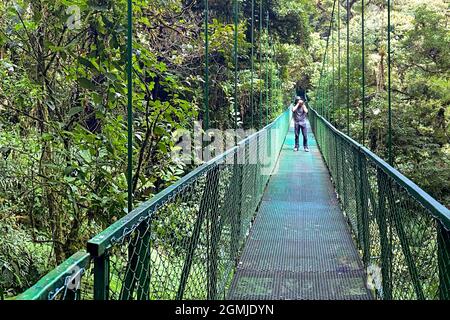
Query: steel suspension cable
(390,157)
(332,72)
(130,104)
(206,89)
(339,44)
(260,63)
(363,75)
(252,59)
(319,94)
(272,50)
(322,77)
(235,69)
(279,93)
(266,86)
(322,88)
(326,87)
(348,67)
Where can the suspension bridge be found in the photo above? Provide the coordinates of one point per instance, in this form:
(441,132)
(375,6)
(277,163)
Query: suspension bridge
(262,222)
(335,223)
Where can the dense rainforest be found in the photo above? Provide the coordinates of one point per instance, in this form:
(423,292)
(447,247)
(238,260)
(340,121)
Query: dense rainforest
(63,101)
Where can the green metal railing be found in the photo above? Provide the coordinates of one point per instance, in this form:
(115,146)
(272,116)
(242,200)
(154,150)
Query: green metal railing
(185,242)
(402,232)
(62,283)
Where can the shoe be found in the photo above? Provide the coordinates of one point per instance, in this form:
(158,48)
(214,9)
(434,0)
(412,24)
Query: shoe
(306,149)
(295,149)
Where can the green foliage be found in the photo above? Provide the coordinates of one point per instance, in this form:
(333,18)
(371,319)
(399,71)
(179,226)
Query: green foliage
(420,87)
(63,99)
(21,262)
(63,126)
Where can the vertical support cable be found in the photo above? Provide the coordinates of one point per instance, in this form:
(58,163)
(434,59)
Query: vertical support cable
(260,63)
(278,84)
(322,99)
(323,91)
(338,93)
(267,69)
(332,71)
(348,67)
(235,68)
(272,50)
(329,84)
(324,83)
(322,94)
(206,91)
(321,85)
(319,94)
(322,78)
(363,76)
(130,104)
(252,60)
(389,87)
(325,87)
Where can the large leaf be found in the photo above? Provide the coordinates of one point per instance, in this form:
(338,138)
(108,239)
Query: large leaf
(73,111)
(86,84)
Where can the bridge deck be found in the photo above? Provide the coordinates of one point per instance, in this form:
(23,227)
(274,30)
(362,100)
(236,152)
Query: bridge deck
(300,246)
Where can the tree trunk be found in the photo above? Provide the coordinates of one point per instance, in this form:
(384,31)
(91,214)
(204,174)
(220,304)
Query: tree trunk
(54,212)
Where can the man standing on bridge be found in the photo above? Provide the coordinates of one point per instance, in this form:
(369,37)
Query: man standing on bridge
(300,111)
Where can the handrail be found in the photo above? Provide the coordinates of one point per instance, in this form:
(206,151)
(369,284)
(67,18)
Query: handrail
(438,210)
(100,243)
(402,233)
(64,282)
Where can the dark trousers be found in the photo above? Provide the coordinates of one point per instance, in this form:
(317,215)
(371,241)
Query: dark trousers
(297,128)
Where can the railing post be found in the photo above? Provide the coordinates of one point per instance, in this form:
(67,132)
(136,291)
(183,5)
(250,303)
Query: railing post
(364,185)
(215,228)
(385,245)
(344,175)
(255,174)
(101,277)
(207,203)
(246,182)
(334,155)
(338,177)
(236,212)
(269,146)
(136,272)
(144,272)
(443,261)
(396,215)
(358,199)
(258,167)
(329,148)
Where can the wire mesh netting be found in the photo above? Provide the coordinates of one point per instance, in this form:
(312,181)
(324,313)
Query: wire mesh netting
(184,242)
(403,243)
(187,245)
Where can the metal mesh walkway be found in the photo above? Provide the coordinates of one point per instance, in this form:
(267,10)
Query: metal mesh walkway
(300,246)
